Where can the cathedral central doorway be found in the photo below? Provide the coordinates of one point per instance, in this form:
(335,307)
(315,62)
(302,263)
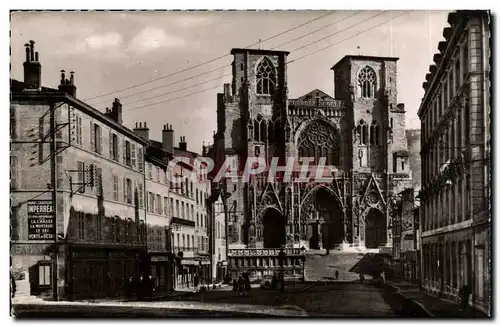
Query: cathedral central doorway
(375,231)
(326,229)
(274,229)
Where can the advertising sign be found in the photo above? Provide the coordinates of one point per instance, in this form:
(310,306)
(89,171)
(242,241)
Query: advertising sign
(41,221)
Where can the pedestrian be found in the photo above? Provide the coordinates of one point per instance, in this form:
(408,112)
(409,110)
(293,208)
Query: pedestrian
(129,288)
(150,287)
(336,274)
(282,281)
(235,286)
(241,285)
(141,288)
(195,280)
(13,284)
(464,294)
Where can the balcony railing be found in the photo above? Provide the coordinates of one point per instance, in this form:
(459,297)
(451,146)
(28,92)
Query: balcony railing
(182,221)
(263,252)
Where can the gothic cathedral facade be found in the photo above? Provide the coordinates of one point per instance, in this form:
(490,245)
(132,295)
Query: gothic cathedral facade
(360,134)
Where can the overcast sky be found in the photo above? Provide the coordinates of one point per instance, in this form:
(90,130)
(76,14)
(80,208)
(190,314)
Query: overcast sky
(110,51)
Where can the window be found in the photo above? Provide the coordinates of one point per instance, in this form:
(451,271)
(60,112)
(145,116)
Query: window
(188,242)
(78,129)
(80,176)
(99,182)
(177,208)
(182,211)
(44,275)
(197,219)
(80,218)
(140,159)
(158,205)
(197,197)
(402,164)
(192,240)
(157,174)
(14,172)
(149,170)
(184,241)
(113,146)
(165,205)
(366,80)
(319,139)
(191,189)
(96,138)
(127,186)
(374,134)
(266,77)
(451,85)
(140,193)
(126,153)
(133,156)
(115,187)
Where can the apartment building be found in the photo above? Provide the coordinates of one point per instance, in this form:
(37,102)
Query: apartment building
(218,239)
(455,119)
(77,180)
(189,219)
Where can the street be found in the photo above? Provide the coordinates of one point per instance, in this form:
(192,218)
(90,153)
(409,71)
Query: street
(340,299)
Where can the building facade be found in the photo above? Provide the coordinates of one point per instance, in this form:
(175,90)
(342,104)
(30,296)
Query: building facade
(217,220)
(360,133)
(455,118)
(77,182)
(406,237)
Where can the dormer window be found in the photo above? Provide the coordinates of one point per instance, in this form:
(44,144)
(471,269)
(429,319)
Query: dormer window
(266,77)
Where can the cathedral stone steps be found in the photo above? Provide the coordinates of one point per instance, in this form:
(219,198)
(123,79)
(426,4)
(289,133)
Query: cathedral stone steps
(322,267)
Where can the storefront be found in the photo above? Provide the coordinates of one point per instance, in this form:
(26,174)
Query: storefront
(162,273)
(96,272)
(184,273)
(221,271)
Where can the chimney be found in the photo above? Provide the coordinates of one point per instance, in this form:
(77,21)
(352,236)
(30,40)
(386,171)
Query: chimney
(67,85)
(32,68)
(183,144)
(167,137)
(142,130)
(227,91)
(116,111)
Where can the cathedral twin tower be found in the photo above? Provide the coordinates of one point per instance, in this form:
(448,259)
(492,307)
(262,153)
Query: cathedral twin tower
(360,133)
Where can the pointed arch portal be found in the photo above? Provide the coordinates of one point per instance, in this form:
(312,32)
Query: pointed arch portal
(274,225)
(375,229)
(325,220)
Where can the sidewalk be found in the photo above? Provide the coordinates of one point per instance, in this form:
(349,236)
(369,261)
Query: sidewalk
(434,306)
(153,308)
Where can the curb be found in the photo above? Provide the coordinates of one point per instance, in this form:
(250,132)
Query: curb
(397,290)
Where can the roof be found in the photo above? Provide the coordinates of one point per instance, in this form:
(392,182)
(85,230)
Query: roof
(50,94)
(363,57)
(258,51)
(317,93)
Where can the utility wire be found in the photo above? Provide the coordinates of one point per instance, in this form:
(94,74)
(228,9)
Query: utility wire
(317,30)
(218,68)
(210,61)
(296,59)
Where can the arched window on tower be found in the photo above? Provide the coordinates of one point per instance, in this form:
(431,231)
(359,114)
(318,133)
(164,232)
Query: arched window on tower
(375,134)
(363,128)
(260,129)
(366,79)
(266,77)
(270,131)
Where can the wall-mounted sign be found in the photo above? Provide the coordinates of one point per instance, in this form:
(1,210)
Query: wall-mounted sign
(41,221)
